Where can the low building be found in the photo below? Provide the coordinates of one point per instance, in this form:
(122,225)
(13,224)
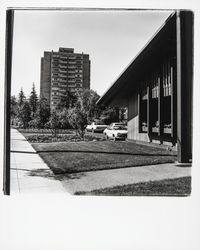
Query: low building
(157,88)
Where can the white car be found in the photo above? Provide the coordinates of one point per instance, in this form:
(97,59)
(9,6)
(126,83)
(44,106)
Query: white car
(116,132)
(117,124)
(96,127)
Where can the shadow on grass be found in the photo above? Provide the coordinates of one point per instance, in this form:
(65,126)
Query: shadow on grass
(101,152)
(46,173)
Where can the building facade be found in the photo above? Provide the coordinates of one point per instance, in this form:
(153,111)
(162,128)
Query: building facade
(157,88)
(63,70)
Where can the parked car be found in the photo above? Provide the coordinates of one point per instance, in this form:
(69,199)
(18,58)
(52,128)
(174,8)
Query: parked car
(116,132)
(117,124)
(97,126)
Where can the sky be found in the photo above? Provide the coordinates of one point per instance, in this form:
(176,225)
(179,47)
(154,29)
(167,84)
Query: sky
(111,38)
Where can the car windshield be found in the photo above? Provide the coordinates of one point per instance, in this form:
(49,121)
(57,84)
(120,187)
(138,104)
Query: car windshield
(119,128)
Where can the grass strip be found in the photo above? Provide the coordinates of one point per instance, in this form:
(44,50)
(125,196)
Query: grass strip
(170,187)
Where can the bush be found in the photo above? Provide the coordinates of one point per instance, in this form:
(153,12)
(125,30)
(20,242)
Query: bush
(33,123)
(60,138)
(47,125)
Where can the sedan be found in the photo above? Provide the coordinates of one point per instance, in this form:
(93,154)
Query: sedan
(97,126)
(116,132)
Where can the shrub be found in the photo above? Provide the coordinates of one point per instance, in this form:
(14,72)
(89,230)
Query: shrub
(60,138)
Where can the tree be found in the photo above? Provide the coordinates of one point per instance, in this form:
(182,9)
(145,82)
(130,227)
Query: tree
(33,101)
(78,109)
(24,114)
(43,113)
(110,114)
(21,98)
(13,106)
(54,122)
(84,110)
(63,118)
(13,109)
(89,99)
(67,100)
(77,117)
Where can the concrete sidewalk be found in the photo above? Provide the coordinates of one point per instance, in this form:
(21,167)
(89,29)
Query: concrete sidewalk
(29,173)
(89,181)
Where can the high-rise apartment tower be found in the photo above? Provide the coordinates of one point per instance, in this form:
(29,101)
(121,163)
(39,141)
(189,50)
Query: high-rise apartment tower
(61,70)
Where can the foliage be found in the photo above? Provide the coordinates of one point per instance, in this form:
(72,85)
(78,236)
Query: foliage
(110,114)
(44,131)
(71,137)
(13,106)
(78,119)
(84,110)
(74,110)
(24,114)
(33,101)
(89,99)
(67,100)
(34,123)
(43,113)
(54,122)
(47,125)
(63,118)
(21,98)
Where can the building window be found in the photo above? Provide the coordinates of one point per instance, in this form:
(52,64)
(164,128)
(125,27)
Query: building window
(167,81)
(143,107)
(154,91)
(156,103)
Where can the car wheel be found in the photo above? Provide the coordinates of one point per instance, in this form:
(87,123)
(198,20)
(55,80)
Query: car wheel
(107,138)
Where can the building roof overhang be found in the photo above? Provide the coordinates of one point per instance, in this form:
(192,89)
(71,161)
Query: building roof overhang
(127,82)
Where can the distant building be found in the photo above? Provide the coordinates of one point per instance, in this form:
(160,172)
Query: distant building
(61,70)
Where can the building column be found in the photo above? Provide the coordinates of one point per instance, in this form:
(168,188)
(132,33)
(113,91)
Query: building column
(8,69)
(139,111)
(160,107)
(149,122)
(184,45)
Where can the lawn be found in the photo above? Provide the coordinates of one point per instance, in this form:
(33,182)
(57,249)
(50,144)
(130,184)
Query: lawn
(170,187)
(73,157)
